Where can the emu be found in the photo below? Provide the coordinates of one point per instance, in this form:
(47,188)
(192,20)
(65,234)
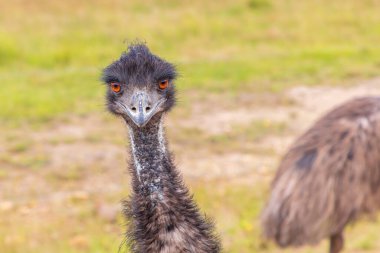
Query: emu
(162,214)
(329,178)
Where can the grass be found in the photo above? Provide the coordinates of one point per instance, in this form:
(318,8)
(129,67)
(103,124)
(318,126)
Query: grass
(51,62)
(241,138)
(56,209)
(236,211)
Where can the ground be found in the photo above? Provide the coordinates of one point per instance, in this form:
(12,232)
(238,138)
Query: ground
(62,184)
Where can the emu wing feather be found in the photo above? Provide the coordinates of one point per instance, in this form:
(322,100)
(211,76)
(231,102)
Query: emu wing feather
(329,176)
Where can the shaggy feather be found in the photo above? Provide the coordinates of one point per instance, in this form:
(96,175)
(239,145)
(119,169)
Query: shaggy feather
(328,178)
(163,217)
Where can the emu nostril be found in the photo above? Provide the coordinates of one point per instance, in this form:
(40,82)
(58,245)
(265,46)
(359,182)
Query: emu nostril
(147,108)
(134,109)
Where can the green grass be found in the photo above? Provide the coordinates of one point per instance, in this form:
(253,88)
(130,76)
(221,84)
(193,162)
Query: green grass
(72,225)
(50,62)
(87,233)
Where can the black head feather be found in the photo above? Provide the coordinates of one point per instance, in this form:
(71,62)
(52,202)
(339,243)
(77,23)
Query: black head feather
(138,70)
(138,66)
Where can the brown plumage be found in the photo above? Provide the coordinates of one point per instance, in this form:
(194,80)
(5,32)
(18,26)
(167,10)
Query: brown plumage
(329,177)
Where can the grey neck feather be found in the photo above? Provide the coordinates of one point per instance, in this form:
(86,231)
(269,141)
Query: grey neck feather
(149,155)
(164,216)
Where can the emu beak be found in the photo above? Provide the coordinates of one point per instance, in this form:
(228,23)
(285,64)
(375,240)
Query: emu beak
(141,110)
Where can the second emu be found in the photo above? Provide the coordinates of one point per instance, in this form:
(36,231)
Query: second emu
(328,178)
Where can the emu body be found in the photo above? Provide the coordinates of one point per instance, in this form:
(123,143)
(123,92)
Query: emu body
(329,177)
(163,217)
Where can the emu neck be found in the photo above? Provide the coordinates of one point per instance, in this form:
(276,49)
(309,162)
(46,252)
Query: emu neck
(164,218)
(149,155)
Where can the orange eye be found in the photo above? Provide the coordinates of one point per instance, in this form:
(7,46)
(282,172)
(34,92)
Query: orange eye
(115,87)
(163,84)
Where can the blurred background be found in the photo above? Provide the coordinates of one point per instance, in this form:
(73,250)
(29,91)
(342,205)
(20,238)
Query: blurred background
(254,75)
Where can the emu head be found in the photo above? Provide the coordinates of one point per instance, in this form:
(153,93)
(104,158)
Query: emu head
(140,86)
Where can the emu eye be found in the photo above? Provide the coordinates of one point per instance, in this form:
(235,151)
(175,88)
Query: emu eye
(115,87)
(163,84)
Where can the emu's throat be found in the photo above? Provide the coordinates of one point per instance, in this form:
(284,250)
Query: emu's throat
(149,156)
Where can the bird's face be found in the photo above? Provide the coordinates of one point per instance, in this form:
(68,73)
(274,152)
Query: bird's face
(140,86)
